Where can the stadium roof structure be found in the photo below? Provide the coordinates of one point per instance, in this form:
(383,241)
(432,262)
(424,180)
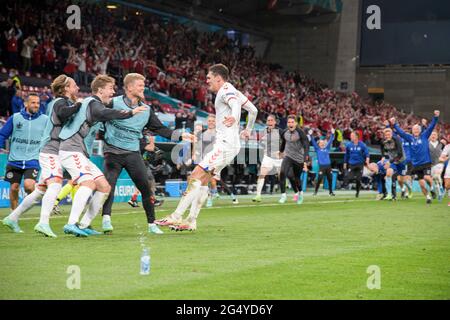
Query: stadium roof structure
(248,16)
(249,8)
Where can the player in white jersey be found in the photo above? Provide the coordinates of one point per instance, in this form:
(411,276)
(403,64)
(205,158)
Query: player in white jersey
(445,157)
(271,163)
(228,104)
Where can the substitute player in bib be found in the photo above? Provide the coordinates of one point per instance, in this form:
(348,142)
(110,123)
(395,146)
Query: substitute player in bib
(24,130)
(271,162)
(228,104)
(77,138)
(122,147)
(60,109)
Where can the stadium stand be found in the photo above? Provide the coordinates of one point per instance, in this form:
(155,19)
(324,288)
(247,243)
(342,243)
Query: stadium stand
(174,58)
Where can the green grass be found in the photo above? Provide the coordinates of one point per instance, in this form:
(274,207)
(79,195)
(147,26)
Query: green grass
(320,250)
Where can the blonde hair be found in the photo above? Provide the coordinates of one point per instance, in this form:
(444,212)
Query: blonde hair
(131,77)
(59,85)
(101,81)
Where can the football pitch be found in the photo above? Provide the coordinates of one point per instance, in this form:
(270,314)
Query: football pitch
(327,248)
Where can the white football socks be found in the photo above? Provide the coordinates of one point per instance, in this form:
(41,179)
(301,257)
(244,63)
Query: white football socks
(259,186)
(79,202)
(106,218)
(198,203)
(48,201)
(192,192)
(95,205)
(26,204)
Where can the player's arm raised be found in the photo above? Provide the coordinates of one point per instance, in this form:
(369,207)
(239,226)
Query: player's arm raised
(399,130)
(430,128)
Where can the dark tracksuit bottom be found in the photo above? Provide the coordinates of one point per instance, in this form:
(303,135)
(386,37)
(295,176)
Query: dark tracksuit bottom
(355,172)
(132,162)
(292,170)
(325,171)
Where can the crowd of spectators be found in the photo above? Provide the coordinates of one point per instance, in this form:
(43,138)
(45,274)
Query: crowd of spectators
(174,58)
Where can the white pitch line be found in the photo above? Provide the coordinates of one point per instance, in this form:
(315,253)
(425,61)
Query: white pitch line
(227,207)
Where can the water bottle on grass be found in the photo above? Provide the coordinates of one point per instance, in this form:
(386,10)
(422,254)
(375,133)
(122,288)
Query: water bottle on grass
(145,261)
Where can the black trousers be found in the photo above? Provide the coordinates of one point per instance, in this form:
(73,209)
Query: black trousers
(394,186)
(355,172)
(325,171)
(134,165)
(292,170)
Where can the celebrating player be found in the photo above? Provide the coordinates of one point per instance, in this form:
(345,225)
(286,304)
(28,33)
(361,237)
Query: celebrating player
(323,157)
(122,147)
(271,162)
(392,150)
(77,137)
(228,104)
(356,156)
(295,146)
(420,152)
(437,167)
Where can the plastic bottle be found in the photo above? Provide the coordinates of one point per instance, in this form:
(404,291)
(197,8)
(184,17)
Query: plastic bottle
(145,261)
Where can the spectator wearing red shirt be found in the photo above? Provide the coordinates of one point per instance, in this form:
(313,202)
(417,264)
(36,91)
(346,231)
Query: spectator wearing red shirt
(152,71)
(37,59)
(71,66)
(49,58)
(188,95)
(139,65)
(12,47)
(200,96)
